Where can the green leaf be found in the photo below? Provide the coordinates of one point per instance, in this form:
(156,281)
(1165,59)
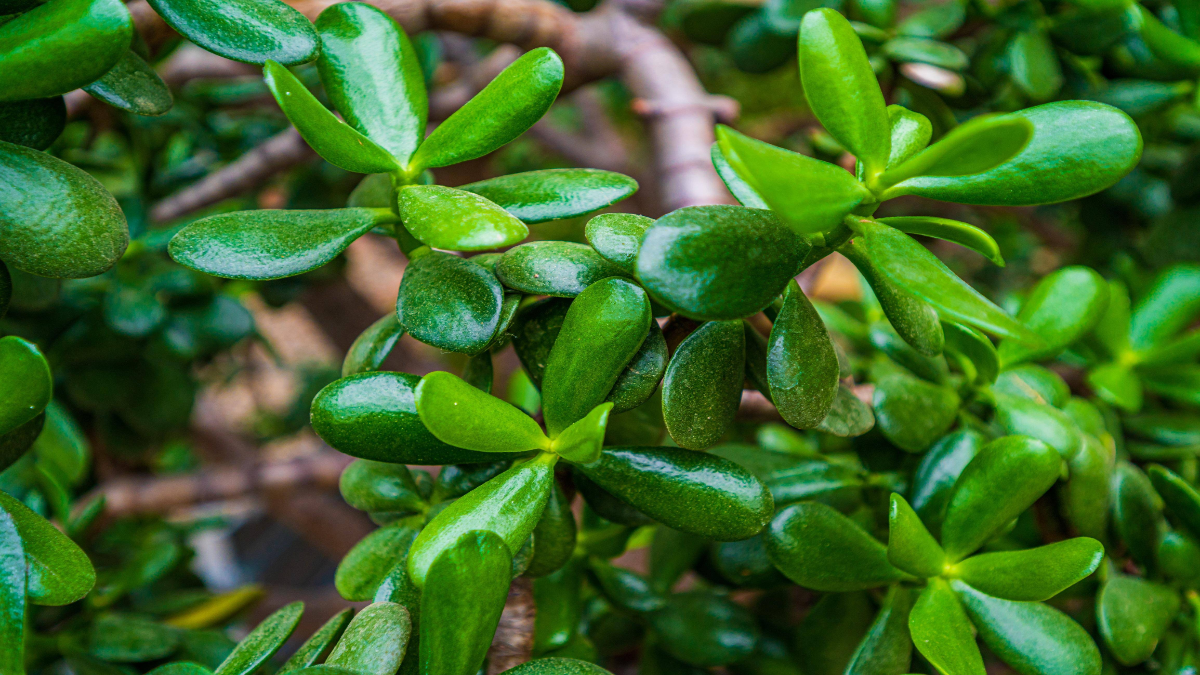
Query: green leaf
(270,244)
(556,666)
(1170,304)
(17,442)
(1018,415)
(638,382)
(380,486)
(624,589)
(28,382)
(819,548)
(1003,480)
(581,442)
(262,642)
(1034,66)
(1163,42)
(12,597)
(740,189)
(1137,511)
(127,638)
(508,505)
(182,668)
(807,194)
(1035,574)
(59,46)
(911,132)
(672,554)
(802,367)
(958,232)
(34,123)
(366,566)
(1132,615)
(375,641)
(975,348)
(537,326)
(913,268)
(1177,383)
(374,416)
(506,107)
(930,369)
(696,260)
(1062,308)
(942,633)
(703,385)
(922,50)
(617,237)
(58,571)
(554,537)
(933,481)
(830,634)
(251,31)
(849,416)
(463,416)
(692,492)
(910,546)
(372,76)
(601,333)
(464,594)
(1085,497)
(319,644)
(133,86)
(1078,148)
(337,142)
(450,302)
(372,346)
(1035,383)
(841,88)
(911,412)
(705,629)
(912,318)
(559,268)
(1033,638)
(745,563)
(554,194)
(1179,558)
(559,602)
(971,148)
(55,219)
(887,647)
(456,220)
(1181,499)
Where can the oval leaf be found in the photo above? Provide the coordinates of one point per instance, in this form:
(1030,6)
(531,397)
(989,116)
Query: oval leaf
(375,641)
(132,85)
(819,548)
(942,633)
(554,194)
(703,385)
(250,31)
(1062,308)
(1035,574)
(262,642)
(461,415)
(559,268)
(58,572)
(802,367)
(28,383)
(973,147)
(617,237)
(450,302)
(456,220)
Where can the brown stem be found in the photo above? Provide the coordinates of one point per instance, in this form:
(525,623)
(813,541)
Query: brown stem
(513,643)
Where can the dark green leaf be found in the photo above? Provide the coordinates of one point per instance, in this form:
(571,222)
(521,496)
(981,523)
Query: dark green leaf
(912,318)
(802,367)
(457,220)
(463,416)
(913,413)
(942,633)
(556,666)
(1181,499)
(375,641)
(745,563)
(380,486)
(365,567)
(910,546)
(262,642)
(372,346)
(849,416)
(58,571)
(638,382)
(887,647)
(705,629)
(819,548)
(1132,615)
(1017,415)
(536,328)
(625,589)
(559,602)
(1035,574)
(958,232)
(831,633)
(1062,308)
(617,237)
(132,85)
(1137,511)
(464,593)
(15,443)
(921,50)
(12,597)
(703,385)
(28,382)
(128,638)
(559,268)
(251,31)
(35,123)
(554,536)
(1085,497)
(554,194)
(975,348)
(319,644)
(933,482)
(449,302)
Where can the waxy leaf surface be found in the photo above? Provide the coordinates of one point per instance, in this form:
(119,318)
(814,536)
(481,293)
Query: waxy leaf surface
(910,546)
(973,147)
(133,85)
(262,642)
(703,385)
(58,572)
(251,31)
(617,237)
(1132,615)
(461,415)
(802,367)
(553,194)
(1062,308)
(819,548)
(450,302)
(374,643)
(457,220)
(942,633)
(1033,574)
(958,232)
(28,384)
(559,268)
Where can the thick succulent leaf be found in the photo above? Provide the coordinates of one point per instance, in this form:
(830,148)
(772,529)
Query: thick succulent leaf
(12,597)
(911,132)
(1033,638)
(696,260)
(739,188)
(34,123)
(334,140)
(372,76)
(1062,308)
(270,244)
(536,327)
(958,232)
(971,148)
(55,219)
(625,589)
(262,642)
(1085,497)
(1132,615)
(976,348)
(554,194)
(506,107)
(915,320)
(251,31)
(1137,512)
(1170,304)
(1180,497)
(1003,480)
(372,346)
(802,367)
(601,333)
(375,641)
(617,237)
(703,385)
(1019,415)
(28,384)
(556,666)
(58,572)
(458,414)
(911,412)
(457,220)
(132,85)
(688,491)
(1078,148)
(705,629)
(449,302)
(59,46)
(318,645)
(933,481)
(508,505)
(819,548)
(380,487)
(942,633)
(124,638)
(554,537)
(17,442)
(558,268)
(848,417)
(1034,383)
(807,194)
(841,88)
(581,442)
(367,565)
(910,546)
(887,647)
(374,416)
(641,377)
(1034,574)
(464,594)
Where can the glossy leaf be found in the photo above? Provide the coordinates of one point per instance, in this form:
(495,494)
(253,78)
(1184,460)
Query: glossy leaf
(960,233)
(558,598)
(692,492)
(559,268)
(375,641)
(536,327)
(28,382)
(372,346)
(1033,638)
(1137,511)
(819,548)
(910,546)
(554,194)
(372,76)
(133,86)
(270,244)
(55,219)
(262,642)
(696,260)
(973,147)
(1078,148)
(738,187)
(66,43)
(556,666)
(380,486)
(617,237)
(849,416)
(554,536)
(581,442)
(12,597)
(1085,497)
(1180,497)
(1033,574)
(464,594)
(887,647)
(1018,415)
(457,220)
(1168,306)
(915,320)
(933,481)
(506,107)
(802,367)
(509,505)
(374,416)
(458,414)
(911,132)
(450,302)
(625,589)
(1062,308)
(942,633)
(976,348)
(17,442)
(366,566)
(913,413)
(1132,615)
(601,333)
(1003,480)
(1034,383)
(319,644)
(640,379)
(705,629)
(807,194)
(703,385)
(33,123)
(58,572)
(841,88)
(913,268)
(251,31)
(337,142)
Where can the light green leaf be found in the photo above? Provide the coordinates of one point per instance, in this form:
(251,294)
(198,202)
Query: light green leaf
(581,442)
(262,642)
(375,641)
(1035,574)
(910,546)
(1062,308)
(463,416)
(958,232)
(456,220)
(819,548)
(740,189)
(973,147)
(911,132)
(942,633)
(464,594)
